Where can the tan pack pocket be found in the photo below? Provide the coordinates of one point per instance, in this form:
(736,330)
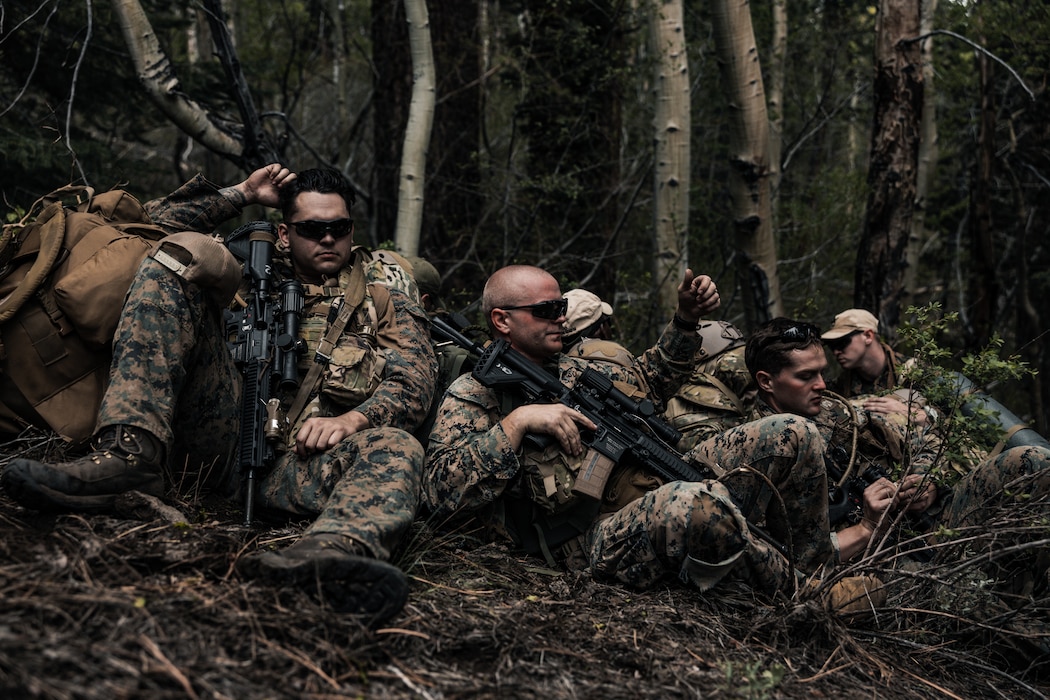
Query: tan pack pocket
(353,373)
(549,475)
(93,280)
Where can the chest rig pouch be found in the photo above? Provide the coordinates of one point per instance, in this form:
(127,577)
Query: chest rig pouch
(343,363)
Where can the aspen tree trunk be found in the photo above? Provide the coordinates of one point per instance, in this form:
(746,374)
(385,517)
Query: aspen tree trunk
(671,123)
(158,77)
(777,72)
(417,132)
(927,158)
(893,170)
(749,157)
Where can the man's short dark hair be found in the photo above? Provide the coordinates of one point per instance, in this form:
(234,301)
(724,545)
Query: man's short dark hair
(322,180)
(770,346)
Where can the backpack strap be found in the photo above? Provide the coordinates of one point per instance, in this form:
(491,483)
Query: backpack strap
(355,294)
(729,393)
(52,234)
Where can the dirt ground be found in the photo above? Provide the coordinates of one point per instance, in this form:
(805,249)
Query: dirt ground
(146,604)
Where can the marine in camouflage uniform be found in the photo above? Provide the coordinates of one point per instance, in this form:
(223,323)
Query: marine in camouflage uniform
(174,389)
(787,361)
(642,531)
(719,393)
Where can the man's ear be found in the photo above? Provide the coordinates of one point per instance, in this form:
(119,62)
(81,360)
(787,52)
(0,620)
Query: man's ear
(869,337)
(499,320)
(764,380)
(282,233)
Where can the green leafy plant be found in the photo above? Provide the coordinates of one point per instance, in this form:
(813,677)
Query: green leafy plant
(965,429)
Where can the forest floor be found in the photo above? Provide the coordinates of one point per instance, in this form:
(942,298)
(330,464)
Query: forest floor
(147,604)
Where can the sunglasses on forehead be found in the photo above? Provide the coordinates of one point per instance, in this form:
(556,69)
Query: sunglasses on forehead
(841,342)
(317,230)
(548,310)
(799,332)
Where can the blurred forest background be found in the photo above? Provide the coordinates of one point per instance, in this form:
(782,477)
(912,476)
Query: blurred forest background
(543,147)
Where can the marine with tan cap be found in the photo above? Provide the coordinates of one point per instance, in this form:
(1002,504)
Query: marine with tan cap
(870,365)
(587,316)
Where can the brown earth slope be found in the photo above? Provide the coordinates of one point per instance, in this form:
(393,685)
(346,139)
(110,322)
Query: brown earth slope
(148,605)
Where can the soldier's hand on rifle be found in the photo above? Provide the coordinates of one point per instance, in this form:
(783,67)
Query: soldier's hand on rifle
(878,498)
(917,493)
(556,420)
(320,434)
(264,185)
(697,297)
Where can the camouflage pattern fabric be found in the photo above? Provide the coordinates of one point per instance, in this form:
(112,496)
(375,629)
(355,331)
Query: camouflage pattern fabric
(470,461)
(1016,478)
(366,488)
(701,408)
(696,532)
(173,375)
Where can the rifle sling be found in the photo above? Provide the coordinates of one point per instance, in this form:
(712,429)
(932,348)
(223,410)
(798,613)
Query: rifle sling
(355,294)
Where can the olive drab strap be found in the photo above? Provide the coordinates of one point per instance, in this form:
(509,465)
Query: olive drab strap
(355,295)
(738,404)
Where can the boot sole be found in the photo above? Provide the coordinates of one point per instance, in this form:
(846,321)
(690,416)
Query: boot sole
(348,583)
(30,493)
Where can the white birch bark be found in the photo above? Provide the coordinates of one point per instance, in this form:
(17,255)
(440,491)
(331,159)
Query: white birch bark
(158,76)
(671,131)
(417,132)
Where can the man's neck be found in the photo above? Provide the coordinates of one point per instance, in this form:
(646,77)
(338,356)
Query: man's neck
(873,364)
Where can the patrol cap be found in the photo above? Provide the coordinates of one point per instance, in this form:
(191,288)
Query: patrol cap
(585,309)
(426,276)
(849,321)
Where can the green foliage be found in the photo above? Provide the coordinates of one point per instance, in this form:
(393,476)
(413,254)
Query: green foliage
(751,680)
(966,430)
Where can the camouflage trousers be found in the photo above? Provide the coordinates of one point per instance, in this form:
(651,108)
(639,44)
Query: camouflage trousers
(1007,502)
(1017,477)
(700,530)
(173,375)
(366,488)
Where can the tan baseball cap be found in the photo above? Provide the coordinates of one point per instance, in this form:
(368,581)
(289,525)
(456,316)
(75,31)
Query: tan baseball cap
(852,320)
(585,309)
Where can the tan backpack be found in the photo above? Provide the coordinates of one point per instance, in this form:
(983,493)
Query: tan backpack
(64,271)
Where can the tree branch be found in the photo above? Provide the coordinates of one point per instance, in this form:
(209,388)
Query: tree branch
(976,47)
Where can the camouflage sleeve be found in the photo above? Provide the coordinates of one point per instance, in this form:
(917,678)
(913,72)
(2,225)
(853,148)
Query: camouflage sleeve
(470,461)
(196,206)
(669,363)
(403,398)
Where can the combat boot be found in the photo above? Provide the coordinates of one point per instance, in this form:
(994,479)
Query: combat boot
(124,459)
(336,570)
(850,597)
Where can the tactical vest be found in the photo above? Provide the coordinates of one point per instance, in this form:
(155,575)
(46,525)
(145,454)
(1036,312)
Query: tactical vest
(355,368)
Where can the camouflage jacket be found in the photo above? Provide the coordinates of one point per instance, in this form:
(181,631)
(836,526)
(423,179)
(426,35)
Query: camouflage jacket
(383,365)
(473,470)
(884,441)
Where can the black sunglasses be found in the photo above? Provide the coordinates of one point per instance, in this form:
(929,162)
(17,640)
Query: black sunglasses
(548,310)
(841,342)
(799,332)
(317,230)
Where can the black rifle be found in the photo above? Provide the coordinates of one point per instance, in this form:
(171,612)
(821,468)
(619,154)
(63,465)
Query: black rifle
(846,502)
(265,345)
(625,427)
